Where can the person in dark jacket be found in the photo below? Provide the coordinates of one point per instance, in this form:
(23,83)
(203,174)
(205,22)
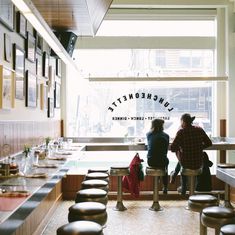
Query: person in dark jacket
(158,142)
(189,143)
(204,180)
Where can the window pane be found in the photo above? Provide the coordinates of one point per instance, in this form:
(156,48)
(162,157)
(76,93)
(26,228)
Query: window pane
(119,109)
(145,62)
(157,28)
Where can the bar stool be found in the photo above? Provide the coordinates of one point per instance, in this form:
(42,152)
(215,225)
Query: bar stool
(80,228)
(91,211)
(228,229)
(97,176)
(119,171)
(215,217)
(191,174)
(197,203)
(156,173)
(92,195)
(100,184)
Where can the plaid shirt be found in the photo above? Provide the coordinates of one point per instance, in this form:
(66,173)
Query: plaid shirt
(189,144)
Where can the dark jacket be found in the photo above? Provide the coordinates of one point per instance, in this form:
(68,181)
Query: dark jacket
(157,149)
(204,180)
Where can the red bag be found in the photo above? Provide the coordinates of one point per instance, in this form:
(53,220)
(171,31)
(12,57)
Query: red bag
(131,182)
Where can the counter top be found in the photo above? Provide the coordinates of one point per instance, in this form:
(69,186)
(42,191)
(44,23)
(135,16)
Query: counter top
(227,175)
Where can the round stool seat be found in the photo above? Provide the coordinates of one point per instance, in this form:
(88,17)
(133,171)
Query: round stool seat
(92,195)
(228,229)
(216,216)
(80,228)
(92,211)
(102,170)
(100,184)
(198,202)
(153,171)
(97,175)
(119,170)
(191,172)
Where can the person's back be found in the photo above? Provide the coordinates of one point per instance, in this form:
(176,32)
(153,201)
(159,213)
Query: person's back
(192,142)
(189,144)
(158,147)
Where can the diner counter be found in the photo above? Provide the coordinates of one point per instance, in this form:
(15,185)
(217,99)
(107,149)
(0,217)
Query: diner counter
(15,210)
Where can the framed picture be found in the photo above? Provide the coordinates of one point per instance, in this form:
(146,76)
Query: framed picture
(45,64)
(21,26)
(57,95)
(18,60)
(19,87)
(39,64)
(7,98)
(31,90)
(51,81)
(43,96)
(7,47)
(50,109)
(58,67)
(7,11)
(30,47)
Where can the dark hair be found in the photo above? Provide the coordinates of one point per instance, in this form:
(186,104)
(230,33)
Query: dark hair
(187,118)
(157,125)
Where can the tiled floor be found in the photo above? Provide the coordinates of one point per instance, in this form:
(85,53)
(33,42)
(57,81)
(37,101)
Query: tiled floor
(138,220)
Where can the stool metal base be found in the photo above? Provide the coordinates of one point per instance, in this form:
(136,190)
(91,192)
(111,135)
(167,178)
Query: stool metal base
(156,207)
(119,207)
(228,204)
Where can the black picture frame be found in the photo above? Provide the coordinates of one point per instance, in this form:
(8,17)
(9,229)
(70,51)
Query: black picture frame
(30,47)
(31,90)
(57,95)
(39,42)
(50,107)
(7,12)
(45,64)
(21,25)
(7,47)
(18,60)
(58,67)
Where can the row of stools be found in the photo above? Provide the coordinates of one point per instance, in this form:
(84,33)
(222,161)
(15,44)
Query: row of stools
(88,215)
(211,215)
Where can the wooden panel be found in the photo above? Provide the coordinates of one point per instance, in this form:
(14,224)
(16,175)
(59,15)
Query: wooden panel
(72,183)
(18,133)
(83,17)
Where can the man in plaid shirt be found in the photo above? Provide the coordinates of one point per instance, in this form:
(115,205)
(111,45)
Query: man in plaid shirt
(188,145)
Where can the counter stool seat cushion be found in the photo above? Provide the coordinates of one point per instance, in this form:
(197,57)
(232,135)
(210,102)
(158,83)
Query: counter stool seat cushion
(198,202)
(92,211)
(216,216)
(97,175)
(80,228)
(100,184)
(154,171)
(92,194)
(228,229)
(218,212)
(119,170)
(191,172)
